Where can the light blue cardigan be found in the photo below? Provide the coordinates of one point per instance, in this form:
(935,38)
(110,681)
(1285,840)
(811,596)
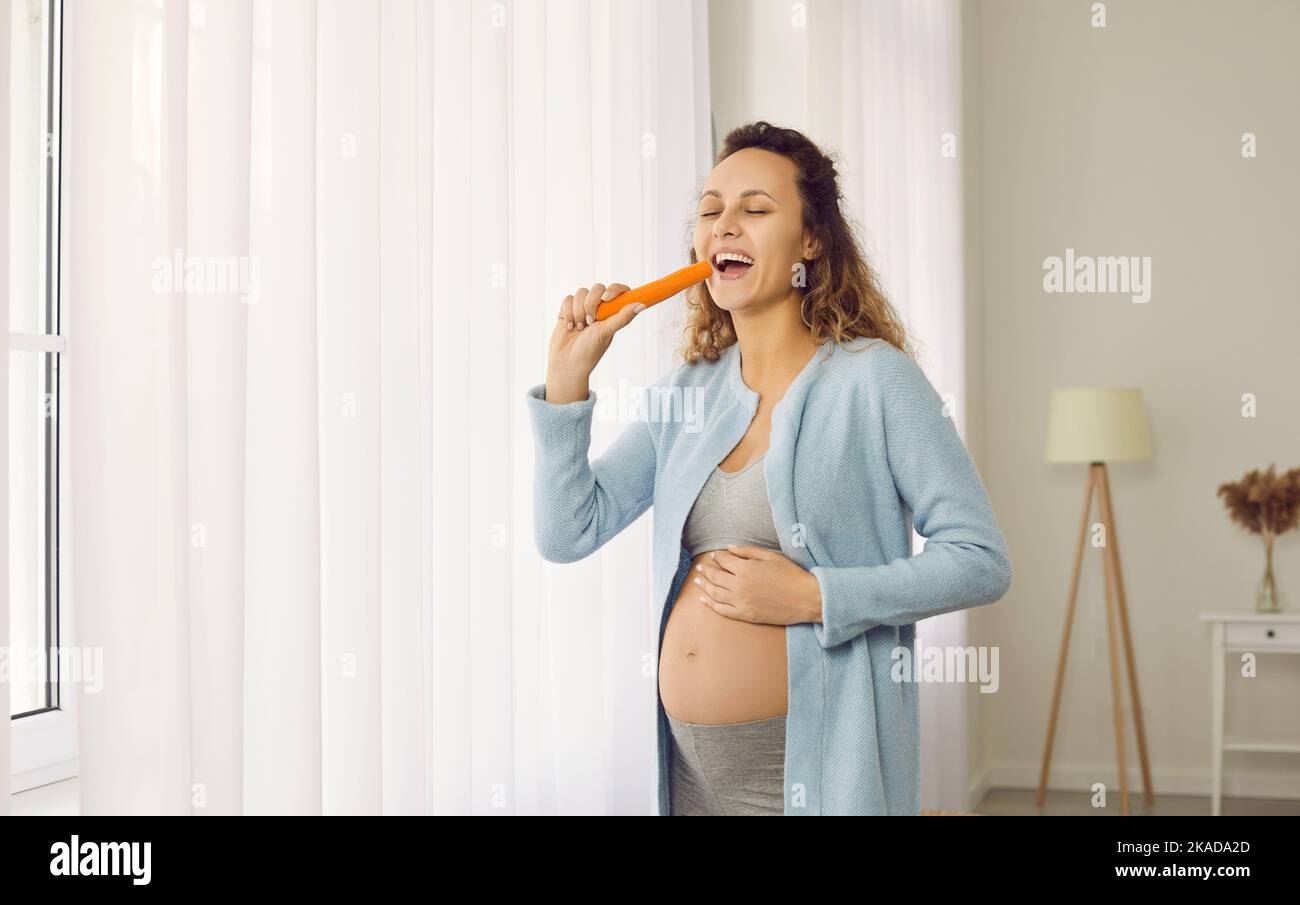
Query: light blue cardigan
(858,440)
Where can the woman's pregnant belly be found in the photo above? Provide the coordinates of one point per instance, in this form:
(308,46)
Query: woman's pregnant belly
(714,669)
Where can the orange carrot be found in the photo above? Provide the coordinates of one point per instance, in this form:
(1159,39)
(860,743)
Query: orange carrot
(657,291)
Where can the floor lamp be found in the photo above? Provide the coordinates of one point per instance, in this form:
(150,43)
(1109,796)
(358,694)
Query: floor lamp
(1096,427)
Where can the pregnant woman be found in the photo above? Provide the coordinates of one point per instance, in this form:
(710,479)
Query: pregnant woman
(784,506)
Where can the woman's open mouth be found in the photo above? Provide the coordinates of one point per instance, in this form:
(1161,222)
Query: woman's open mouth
(731,264)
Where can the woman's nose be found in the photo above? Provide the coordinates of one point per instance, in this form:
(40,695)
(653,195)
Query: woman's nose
(725,224)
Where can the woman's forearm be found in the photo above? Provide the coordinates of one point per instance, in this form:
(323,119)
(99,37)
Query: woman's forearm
(579,503)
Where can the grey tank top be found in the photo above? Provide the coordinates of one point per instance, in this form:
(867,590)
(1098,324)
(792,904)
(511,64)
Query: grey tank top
(732,508)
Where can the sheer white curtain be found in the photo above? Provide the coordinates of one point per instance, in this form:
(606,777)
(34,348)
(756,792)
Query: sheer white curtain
(883,89)
(313,254)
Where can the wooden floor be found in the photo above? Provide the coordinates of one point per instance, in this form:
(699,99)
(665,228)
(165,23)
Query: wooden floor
(1020,802)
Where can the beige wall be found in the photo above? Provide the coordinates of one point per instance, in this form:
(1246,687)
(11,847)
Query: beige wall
(1125,140)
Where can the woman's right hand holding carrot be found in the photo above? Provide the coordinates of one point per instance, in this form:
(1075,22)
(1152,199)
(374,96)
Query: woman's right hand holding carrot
(580,341)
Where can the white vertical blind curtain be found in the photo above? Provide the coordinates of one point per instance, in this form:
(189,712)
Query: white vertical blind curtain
(302,508)
(883,90)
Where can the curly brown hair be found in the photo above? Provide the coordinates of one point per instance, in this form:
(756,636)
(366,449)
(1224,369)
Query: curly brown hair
(842,298)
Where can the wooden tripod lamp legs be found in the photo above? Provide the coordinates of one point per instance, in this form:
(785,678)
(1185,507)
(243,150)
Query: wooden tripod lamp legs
(1116,603)
(1065,639)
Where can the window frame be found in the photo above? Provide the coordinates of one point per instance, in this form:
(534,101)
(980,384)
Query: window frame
(43,743)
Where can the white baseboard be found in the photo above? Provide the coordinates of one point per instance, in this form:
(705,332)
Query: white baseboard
(1281,783)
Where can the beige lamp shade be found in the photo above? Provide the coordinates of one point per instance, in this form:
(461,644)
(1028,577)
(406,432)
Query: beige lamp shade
(1088,425)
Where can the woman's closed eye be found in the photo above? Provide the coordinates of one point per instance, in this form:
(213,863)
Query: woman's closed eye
(715,213)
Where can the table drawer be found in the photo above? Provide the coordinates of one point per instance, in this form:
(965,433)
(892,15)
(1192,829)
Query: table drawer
(1262,634)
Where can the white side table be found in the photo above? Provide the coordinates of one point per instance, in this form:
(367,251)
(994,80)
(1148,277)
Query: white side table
(1235,633)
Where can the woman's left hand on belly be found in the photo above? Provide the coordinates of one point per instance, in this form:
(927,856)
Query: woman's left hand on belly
(755,584)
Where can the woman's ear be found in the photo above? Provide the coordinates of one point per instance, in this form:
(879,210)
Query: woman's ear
(812,247)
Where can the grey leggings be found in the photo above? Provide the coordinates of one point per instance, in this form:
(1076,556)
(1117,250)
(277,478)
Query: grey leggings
(728,769)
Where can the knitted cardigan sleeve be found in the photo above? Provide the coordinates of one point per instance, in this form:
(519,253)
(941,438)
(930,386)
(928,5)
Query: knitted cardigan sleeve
(579,505)
(965,561)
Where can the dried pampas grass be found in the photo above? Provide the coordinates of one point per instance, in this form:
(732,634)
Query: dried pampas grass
(1267,504)
(1263,502)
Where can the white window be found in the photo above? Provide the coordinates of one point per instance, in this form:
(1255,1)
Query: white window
(43,730)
